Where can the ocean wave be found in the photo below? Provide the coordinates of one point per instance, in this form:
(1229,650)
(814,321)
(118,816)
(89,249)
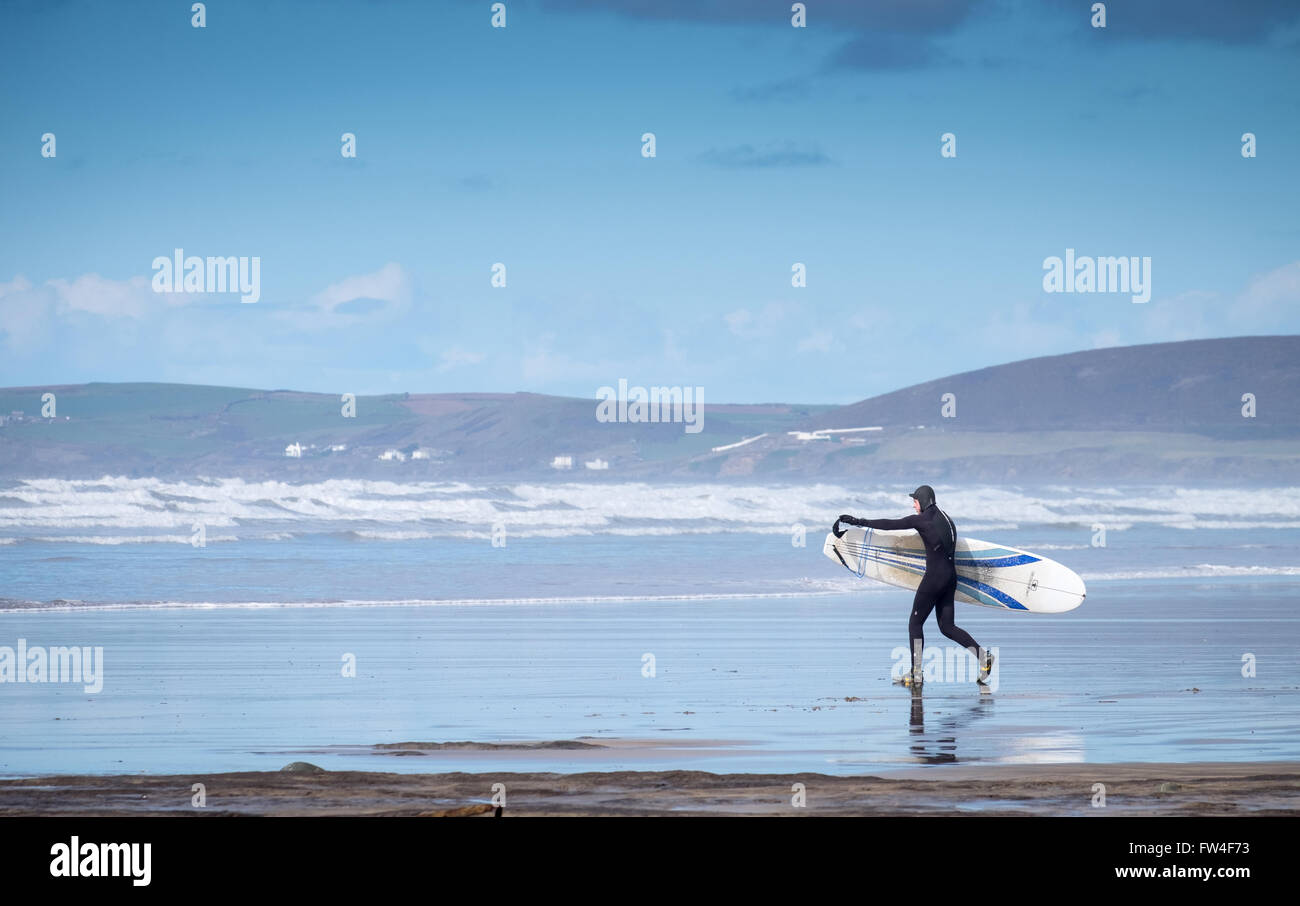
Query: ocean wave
(1200,570)
(387,510)
(1235,524)
(15,605)
(117,539)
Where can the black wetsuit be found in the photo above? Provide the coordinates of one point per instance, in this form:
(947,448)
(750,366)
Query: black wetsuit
(939,584)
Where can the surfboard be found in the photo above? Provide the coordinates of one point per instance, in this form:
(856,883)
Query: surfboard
(992,575)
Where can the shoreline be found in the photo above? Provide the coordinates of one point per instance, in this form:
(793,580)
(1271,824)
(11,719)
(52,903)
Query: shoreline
(1131,789)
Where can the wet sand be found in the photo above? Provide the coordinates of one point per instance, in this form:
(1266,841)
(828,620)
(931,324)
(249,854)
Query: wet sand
(303,789)
(766,687)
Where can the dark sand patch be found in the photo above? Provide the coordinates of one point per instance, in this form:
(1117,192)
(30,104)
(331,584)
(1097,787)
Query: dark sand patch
(599,751)
(1131,789)
(419,748)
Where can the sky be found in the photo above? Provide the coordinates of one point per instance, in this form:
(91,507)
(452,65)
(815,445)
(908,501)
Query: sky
(523,145)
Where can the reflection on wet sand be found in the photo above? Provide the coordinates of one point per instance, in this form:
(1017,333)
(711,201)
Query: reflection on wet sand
(939,745)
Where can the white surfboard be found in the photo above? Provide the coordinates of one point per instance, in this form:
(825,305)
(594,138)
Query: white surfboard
(989,574)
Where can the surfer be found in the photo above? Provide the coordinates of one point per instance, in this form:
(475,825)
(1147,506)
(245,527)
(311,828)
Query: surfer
(938,585)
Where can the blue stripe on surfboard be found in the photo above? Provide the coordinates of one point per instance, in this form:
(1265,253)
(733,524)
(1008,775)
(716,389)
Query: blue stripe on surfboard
(991,552)
(983,590)
(1013,560)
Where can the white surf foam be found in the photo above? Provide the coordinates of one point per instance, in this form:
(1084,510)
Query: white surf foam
(126,539)
(395,511)
(1197,571)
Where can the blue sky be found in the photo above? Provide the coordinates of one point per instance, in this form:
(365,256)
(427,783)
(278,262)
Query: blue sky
(522,145)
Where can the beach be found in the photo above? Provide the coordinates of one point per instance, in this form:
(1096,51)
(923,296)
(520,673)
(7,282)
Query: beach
(590,678)
(1190,790)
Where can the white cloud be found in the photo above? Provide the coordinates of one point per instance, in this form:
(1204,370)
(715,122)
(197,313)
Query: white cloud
(1272,294)
(1186,316)
(672,351)
(817,341)
(28,311)
(737,320)
(389,287)
(540,363)
(1269,303)
(1028,328)
(22,310)
(749,325)
(388,284)
(1106,338)
(130,298)
(456,357)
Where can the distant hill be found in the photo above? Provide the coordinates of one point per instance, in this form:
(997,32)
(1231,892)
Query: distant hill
(1194,386)
(184,430)
(1160,412)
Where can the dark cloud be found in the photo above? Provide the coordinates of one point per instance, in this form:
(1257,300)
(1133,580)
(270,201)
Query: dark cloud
(1235,22)
(996,63)
(904,16)
(1136,92)
(885,34)
(891,22)
(785,90)
(747,156)
(884,51)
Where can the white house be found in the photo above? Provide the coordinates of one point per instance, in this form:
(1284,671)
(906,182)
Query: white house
(596,464)
(294,450)
(391,455)
(562,462)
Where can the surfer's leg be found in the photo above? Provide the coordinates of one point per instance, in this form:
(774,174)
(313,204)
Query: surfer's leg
(922,604)
(949,627)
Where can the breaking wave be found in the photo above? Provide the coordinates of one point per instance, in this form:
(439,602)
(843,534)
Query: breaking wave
(149,510)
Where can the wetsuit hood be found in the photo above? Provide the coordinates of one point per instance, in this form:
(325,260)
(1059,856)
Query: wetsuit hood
(924,495)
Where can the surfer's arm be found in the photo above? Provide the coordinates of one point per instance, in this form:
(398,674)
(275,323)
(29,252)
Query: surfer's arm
(907,522)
